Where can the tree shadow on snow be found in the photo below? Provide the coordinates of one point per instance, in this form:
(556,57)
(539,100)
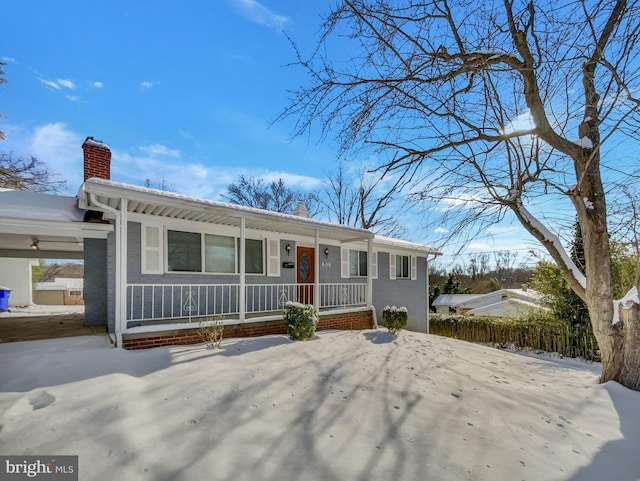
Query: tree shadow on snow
(379,337)
(618,459)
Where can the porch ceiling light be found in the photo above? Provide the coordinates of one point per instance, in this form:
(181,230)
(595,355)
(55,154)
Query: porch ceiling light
(34,245)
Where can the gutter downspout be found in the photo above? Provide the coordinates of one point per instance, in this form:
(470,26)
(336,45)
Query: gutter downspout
(118,267)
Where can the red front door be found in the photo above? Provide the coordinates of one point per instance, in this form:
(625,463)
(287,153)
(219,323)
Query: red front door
(305,274)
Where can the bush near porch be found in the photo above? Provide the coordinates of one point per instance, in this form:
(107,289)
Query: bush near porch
(538,332)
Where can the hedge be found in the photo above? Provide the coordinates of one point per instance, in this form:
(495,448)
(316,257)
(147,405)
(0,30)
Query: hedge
(536,332)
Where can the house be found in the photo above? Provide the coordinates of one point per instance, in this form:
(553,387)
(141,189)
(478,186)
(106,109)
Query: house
(447,303)
(15,274)
(62,291)
(165,262)
(501,303)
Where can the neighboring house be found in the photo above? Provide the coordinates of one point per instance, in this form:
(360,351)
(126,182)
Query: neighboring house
(62,291)
(501,303)
(447,303)
(169,261)
(16,275)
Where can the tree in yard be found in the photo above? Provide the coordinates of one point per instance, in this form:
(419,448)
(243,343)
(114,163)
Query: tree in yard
(27,174)
(274,196)
(452,286)
(493,107)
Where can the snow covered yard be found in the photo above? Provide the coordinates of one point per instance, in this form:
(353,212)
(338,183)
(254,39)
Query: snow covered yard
(343,406)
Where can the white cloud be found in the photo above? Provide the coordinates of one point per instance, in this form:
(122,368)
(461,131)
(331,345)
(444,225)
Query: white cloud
(293,181)
(441,230)
(66,83)
(463,200)
(8,60)
(97,85)
(163,150)
(146,85)
(49,83)
(480,246)
(258,13)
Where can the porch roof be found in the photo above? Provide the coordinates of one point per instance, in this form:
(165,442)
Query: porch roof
(154,202)
(143,200)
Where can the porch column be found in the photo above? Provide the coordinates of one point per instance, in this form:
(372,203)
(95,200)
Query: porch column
(121,303)
(316,276)
(369,271)
(242,292)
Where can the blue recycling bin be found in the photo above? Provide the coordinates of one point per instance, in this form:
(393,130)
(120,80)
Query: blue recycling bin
(5,292)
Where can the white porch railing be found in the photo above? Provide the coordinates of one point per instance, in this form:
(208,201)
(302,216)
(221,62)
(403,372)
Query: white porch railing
(158,302)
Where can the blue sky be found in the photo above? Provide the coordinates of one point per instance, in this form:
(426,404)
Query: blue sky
(183,91)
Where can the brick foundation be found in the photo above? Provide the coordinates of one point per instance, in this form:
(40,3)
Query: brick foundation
(352,320)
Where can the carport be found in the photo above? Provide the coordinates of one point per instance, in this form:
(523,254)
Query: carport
(41,226)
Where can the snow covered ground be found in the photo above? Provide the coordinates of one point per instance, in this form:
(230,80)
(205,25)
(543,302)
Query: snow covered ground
(343,406)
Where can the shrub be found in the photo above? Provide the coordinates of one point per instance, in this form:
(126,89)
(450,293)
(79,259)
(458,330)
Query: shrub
(211,330)
(301,320)
(394,318)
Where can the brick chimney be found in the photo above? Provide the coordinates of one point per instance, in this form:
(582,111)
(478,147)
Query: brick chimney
(97,159)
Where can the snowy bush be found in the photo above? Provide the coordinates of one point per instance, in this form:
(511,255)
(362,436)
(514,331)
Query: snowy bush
(301,320)
(394,318)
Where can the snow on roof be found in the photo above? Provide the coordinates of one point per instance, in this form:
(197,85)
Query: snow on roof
(174,196)
(489,307)
(402,244)
(454,299)
(113,188)
(22,204)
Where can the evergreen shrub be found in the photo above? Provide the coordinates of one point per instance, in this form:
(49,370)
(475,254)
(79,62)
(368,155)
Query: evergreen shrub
(394,318)
(301,320)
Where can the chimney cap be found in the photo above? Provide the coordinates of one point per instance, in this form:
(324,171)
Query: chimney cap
(95,143)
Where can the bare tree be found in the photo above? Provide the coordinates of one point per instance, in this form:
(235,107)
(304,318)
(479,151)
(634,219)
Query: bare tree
(494,105)
(365,204)
(27,174)
(275,196)
(161,183)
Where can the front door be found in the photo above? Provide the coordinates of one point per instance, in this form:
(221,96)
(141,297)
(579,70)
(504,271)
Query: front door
(305,276)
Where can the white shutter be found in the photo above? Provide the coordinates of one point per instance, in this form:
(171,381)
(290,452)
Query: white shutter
(374,265)
(414,268)
(273,257)
(344,262)
(151,247)
(392,265)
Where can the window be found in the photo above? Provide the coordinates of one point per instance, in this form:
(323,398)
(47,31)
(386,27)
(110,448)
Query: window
(221,253)
(253,258)
(183,251)
(357,263)
(402,267)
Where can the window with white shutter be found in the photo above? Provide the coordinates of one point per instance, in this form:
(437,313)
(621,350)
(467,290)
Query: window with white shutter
(151,242)
(273,258)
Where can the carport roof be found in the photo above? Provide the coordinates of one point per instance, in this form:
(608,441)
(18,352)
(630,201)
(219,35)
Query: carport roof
(54,221)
